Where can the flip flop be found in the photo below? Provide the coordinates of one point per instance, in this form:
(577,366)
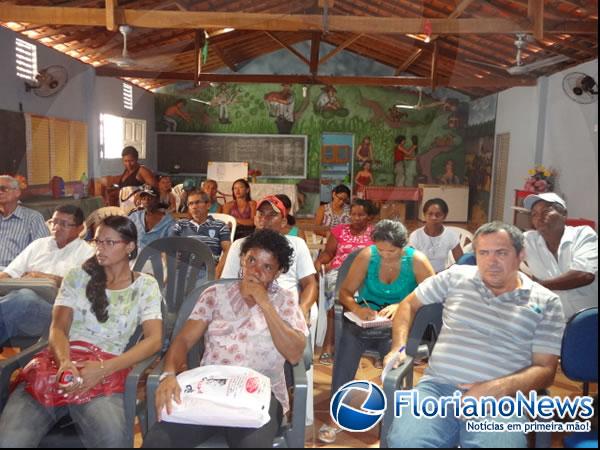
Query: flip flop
(328,434)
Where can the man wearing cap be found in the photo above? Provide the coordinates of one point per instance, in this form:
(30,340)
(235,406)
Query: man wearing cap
(151,222)
(271,214)
(202,226)
(561,258)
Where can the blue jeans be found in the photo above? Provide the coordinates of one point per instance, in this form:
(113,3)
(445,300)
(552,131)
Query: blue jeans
(100,422)
(409,431)
(23,313)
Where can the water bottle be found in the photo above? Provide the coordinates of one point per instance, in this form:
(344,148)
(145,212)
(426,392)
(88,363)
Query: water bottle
(84,181)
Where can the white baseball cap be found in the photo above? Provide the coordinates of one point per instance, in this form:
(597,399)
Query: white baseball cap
(549,197)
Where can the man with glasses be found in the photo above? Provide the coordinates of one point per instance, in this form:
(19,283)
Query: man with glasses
(205,228)
(561,258)
(19,226)
(23,312)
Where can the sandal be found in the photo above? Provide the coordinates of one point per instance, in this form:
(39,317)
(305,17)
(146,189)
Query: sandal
(326,359)
(327,433)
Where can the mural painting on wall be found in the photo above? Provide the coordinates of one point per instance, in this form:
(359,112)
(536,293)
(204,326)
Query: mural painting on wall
(479,156)
(432,135)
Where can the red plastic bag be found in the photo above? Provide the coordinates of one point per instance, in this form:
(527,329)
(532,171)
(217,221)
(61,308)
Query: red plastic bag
(39,376)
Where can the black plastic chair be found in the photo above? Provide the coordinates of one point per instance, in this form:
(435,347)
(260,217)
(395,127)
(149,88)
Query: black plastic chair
(291,433)
(338,307)
(64,433)
(427,317)
(176,263)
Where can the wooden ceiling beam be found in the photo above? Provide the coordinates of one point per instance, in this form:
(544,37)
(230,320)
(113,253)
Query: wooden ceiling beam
(315,46)
(221,54)
(535,13)
(409,61)
(111,15)
(434,62)
(277,22)
(289,48)
(348,42)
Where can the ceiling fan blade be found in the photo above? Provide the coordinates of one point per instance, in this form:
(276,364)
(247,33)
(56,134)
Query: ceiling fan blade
(525,68)
(402,106)
(200,101)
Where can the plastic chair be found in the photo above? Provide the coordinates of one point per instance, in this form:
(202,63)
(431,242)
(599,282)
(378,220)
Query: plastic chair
(229,220)
(64,433)
(338,307)
(427,317)
(291,433)
(466,240)
(179,264)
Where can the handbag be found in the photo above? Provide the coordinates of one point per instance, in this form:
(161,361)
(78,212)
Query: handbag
(39,376)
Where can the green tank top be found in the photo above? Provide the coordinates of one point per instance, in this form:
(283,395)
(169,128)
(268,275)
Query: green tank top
(214,207)
(293,231)
(378,294)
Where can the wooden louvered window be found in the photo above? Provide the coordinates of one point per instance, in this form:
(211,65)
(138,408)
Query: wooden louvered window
(55,147)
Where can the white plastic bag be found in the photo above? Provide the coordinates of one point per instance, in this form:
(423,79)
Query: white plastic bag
(229,396)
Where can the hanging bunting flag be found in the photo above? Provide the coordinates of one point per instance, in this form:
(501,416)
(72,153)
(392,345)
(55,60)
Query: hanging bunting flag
(205,51)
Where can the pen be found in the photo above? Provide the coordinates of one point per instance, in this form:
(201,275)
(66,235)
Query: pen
(364,302)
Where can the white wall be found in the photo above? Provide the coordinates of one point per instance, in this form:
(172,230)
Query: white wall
(83,98)
(570,141)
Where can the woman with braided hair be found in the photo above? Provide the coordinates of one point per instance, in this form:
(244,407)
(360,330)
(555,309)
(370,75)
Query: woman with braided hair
(102,303)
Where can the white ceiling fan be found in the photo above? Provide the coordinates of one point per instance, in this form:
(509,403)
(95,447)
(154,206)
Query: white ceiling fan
(519,68)
(419,105)
(124,60)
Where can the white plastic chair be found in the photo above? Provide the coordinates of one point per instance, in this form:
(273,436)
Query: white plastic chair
(229,220)
(466,240)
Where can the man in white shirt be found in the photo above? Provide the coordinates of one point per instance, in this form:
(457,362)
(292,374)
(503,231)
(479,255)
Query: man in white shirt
(561,258)
(271,214)
(23,312)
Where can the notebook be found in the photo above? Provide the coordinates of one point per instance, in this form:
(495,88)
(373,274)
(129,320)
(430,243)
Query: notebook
(377,322)
(43,287)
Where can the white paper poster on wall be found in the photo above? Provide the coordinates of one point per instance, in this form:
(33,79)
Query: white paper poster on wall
(227,171)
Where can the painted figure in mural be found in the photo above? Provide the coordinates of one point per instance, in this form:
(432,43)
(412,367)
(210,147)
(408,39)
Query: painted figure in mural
(449,177)
(364,152)
(405,161)
(327,100)
(173,112)
(363,178)
(281,106)
(223,98)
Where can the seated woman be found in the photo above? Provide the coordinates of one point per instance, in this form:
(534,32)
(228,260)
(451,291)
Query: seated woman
(290,227)
(334,213)
(434,239)
(383,275)
(166,199)
(212,188)
(101,303)
(343,240)
(151,222)
(265,327)
(242,207)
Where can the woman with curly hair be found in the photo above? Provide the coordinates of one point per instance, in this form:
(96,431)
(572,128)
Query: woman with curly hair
(102,303)
(250,323)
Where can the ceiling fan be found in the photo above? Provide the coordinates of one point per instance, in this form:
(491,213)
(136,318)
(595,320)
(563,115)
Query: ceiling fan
(519,68)
(419,105)
(124,60)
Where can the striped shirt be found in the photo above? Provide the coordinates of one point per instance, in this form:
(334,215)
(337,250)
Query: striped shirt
(211,232)
(485,337)
(18,230)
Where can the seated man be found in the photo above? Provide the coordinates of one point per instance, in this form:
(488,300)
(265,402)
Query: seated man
(501,334)
(19,226)
(23,312)
(271,215)
(152,223)
(205,228)
(561,258)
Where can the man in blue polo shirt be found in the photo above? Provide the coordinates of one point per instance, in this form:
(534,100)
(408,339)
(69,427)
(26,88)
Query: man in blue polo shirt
(205,228)
(19,226)
(501,334)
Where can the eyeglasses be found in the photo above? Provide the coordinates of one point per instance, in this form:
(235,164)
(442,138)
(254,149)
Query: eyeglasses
(6,188)
(107,242)
(62,223)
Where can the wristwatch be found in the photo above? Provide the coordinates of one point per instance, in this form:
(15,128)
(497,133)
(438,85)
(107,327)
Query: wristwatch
(165,375)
